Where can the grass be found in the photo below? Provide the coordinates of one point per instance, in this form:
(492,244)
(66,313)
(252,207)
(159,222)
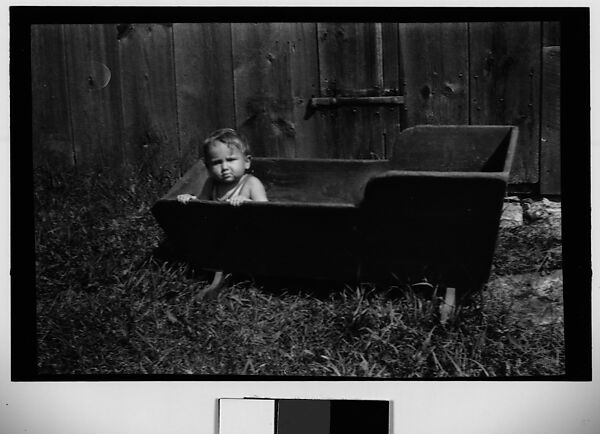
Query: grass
(107,305)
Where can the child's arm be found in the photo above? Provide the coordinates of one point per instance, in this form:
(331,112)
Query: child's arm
(205,194)
(256,192)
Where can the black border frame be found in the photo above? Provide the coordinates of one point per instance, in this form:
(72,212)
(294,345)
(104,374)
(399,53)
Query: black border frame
(575,135)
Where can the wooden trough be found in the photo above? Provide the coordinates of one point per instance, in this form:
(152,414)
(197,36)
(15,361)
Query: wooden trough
(433,207)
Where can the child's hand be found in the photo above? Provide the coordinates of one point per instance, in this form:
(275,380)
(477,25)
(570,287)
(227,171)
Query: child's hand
(237,201)
(185,198)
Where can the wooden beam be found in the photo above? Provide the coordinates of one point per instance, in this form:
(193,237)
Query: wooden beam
(350,101)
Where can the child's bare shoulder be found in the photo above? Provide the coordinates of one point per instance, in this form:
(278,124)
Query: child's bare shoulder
(253,181)
(256,189)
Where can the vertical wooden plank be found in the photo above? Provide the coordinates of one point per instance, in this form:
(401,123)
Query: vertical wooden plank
(148,95)
(51,128)
(435,60)
(269,92)
(94,91)
(304,70)
(392,76)
(204,80)
(350,62)
(551,33)
(349,59)
(550,170)
(505,82)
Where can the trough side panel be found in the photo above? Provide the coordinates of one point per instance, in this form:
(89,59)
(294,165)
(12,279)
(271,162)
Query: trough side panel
(266,103)
(204,81)
(404,214)
(95,94)
(351,64)
(457,148)
(191,182)
(322,181)
(435,62)
(51,129)
(318,241)
(550,171)
(148,89)
(505,82)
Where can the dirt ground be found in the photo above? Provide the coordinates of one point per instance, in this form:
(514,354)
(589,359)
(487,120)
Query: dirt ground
(537,299)
(537,295)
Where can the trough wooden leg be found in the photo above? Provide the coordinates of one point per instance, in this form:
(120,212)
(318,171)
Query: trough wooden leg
(213,289)
(449,305)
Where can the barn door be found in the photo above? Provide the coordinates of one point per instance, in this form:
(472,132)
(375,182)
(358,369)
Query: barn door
(282,72)
(358,65)
(275,73)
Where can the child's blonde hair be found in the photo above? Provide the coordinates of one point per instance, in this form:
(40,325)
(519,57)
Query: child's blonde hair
(230,137)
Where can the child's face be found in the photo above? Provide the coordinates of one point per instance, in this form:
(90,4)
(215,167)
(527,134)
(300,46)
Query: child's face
(226,164)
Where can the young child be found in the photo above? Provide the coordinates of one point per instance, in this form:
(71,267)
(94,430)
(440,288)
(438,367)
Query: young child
(227,158)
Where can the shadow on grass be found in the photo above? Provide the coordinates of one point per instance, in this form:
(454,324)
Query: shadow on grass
(166,254)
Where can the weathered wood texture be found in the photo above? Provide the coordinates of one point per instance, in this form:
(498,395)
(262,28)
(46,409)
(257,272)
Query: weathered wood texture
(204,76)
(51,120)
(392,84)
(505,83)
(325,181)
(95,94)
(436,64)
(441,148)
(551,33)
(305,84)
(148,95)
(550,171)
(275,74)
(119,94)
(351,64)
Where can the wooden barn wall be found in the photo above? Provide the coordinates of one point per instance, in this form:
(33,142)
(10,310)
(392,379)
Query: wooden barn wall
(550,178)
(204,83)
(148,97)
(147,94)
(505,86)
